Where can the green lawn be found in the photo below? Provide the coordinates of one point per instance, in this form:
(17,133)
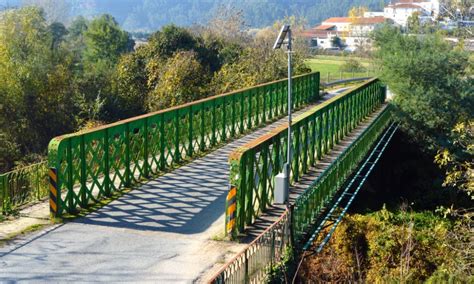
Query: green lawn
(327,64)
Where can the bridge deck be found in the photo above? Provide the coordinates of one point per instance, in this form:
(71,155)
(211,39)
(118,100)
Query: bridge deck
(160,232)
(274,212)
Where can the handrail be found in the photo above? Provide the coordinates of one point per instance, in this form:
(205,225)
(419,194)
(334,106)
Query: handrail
(254,165)
(23,185)
(282,226)
(94,163)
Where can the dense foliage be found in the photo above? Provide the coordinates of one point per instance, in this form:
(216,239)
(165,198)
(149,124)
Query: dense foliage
(393,247)
(424,232)
(433,85)
(58,79)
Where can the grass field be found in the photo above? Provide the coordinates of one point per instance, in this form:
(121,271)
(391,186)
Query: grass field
(330,65)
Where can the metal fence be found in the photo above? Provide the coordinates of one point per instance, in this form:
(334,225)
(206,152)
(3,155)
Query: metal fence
(22,186)
(95,163)
(249,266)
(327,77)
(252,263)
(254,166)
(308,206)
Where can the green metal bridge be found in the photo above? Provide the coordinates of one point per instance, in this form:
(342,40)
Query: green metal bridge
(208,167)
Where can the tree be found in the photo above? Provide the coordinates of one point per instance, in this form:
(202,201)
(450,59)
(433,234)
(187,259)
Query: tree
(459,160)
(75,41)
(77,28)
(413,23)
(58,32)
(228,22)
(352,65)
(433,86)
(182,81)
(36,96)
(355,13)
(169,39)
(55,10)
(105,41)
(131,85)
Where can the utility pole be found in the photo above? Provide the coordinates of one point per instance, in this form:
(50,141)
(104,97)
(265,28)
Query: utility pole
(282,180)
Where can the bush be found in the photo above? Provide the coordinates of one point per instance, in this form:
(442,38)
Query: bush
(381,247)
(352,65)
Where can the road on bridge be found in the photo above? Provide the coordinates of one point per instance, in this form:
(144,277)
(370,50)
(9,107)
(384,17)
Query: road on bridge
(161,232)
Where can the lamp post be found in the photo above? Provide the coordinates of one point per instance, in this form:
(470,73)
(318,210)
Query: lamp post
(282,180)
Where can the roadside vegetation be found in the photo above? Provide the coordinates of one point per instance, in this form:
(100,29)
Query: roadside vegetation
(58,79)
(413,221)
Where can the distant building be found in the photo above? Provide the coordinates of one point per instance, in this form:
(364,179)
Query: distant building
(352,31)
(401,10)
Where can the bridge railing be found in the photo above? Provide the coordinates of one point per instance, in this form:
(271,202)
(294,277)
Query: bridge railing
(252,264)
(92,164)
(24,185)
(254,166)
(308,206)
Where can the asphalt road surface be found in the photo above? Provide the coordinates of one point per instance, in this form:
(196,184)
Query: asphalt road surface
(161,232)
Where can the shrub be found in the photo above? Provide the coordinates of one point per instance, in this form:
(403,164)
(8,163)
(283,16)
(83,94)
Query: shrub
(352,65)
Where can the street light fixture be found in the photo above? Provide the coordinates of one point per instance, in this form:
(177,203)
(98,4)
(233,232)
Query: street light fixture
(282,180)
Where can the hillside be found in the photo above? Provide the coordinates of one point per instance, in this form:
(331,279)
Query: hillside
(148,15)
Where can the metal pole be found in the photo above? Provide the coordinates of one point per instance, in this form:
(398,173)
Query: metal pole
(288,157)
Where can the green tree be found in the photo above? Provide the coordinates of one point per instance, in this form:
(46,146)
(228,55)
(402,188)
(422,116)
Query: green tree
(105,42)
(36,94)
(171,38)
(131,83)
(258,63)
(182,80)
(433,87)
(413,23)
(58,32)
(75,41)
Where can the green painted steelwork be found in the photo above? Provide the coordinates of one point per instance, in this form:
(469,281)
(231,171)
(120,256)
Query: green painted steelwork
(254,262)
(23,185)
(95,163)
(309,205)
(254,166)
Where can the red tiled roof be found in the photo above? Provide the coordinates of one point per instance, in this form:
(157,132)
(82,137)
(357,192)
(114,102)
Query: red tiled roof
(369,21)
(312,33)
(324,27)
(357,21)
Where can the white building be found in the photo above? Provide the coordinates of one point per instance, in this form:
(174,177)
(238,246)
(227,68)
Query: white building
(401,10)
(352,31)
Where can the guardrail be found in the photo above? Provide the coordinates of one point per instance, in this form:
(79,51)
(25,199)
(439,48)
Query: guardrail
(22,186)
(252,263)
(254,165)
(327,77)
(248,266)
(308,206)
(345,81)
(95,163)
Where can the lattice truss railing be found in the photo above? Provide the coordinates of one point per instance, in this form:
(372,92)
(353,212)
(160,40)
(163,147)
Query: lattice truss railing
(21,186)
(254,166)
(252,264)
(98,162)
(309,205)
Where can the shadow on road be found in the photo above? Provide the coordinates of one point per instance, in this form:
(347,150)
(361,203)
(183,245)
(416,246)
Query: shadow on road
(187,200)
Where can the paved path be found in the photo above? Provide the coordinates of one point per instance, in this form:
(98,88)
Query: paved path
(161,232)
